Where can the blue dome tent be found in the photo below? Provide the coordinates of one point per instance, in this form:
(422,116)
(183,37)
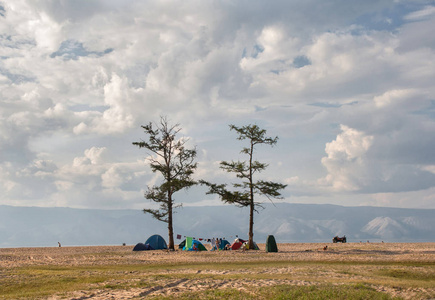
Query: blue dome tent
(157,242)
(223,243)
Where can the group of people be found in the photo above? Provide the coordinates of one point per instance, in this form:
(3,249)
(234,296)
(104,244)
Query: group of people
(215,242)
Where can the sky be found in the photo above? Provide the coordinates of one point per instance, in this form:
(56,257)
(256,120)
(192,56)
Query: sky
(347,86)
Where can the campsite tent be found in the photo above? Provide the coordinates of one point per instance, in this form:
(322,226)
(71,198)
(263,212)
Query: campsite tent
(223,243)
(142,247)
(271,244)
(256,246)
(182,244)
(199,245)
(237,244)
(189,245)
(156,242)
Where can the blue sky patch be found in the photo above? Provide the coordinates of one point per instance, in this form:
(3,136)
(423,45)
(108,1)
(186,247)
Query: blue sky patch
(388,19)
(428,111)
(257,50)
(301,61)
(16,78)
(72,49)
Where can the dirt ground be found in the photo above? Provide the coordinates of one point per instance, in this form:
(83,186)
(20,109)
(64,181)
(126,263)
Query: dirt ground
(11,258)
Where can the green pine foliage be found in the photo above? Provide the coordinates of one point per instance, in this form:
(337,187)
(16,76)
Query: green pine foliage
(242,194)
(170,158)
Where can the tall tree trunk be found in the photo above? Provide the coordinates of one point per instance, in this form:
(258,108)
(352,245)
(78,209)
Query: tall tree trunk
(251,227)
(170,226)
(252,206)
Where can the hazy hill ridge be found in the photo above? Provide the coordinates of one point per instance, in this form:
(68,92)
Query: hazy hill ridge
(35,226)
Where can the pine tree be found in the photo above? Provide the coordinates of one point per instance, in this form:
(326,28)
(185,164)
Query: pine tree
(243,193)
(174,162)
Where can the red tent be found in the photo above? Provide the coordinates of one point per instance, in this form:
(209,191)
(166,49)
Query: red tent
(237,244)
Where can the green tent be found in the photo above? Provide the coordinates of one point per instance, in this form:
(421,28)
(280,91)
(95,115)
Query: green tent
(189,244)
(271,244)
(199,245)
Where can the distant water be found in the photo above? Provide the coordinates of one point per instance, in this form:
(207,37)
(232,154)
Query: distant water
(289,223)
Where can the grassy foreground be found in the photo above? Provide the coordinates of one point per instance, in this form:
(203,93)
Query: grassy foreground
(253,275)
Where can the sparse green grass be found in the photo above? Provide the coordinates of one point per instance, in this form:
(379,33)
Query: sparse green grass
(34,282)
(405,274)
(280,292)
(212,294)
(327,291)
(326,280)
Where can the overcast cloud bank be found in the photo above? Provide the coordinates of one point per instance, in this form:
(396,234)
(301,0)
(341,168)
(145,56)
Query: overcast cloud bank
(346,85)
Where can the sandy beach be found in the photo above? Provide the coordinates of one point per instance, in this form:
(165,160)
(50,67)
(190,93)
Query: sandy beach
(294,264)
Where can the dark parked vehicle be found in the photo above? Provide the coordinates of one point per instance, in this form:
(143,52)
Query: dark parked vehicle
(337,239)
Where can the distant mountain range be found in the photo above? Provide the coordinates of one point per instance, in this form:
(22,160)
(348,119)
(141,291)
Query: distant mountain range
(37,227)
